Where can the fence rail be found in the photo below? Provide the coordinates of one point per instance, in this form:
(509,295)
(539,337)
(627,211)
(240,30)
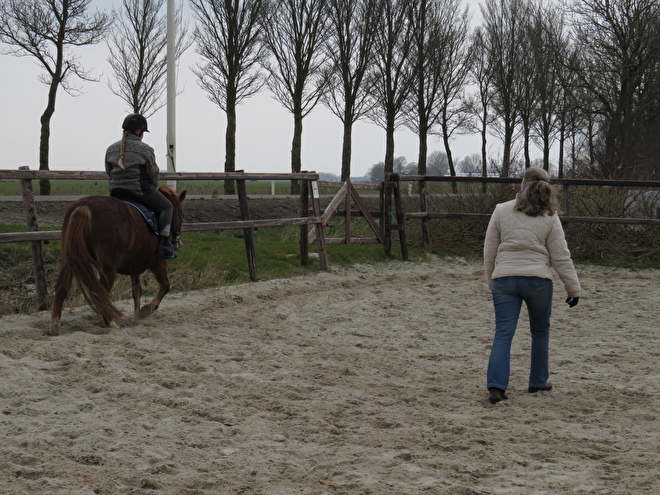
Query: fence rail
(309,190)
(35,237)
(517,180)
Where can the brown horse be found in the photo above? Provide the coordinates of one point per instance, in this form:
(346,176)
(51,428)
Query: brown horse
(103,236)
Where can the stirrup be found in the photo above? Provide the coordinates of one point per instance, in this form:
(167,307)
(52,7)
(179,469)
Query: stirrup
(166,256)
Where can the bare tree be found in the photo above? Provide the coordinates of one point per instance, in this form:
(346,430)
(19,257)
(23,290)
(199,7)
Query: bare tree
(394,73)
(350,51)
(525,90)
(295,33)
(46,30)
(228,38)
(577,118)
(138,42)
(567,114)
(480,102)
(503,27)
(442,63)
(437,163)
(548,45)
(453,69)
(619,44)
(376,173)
(470,165)
(427,55)
(400,165)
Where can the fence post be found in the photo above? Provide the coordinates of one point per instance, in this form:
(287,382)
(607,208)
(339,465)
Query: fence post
(426,238)
(392,187)
(348,219)
(320,235)
(247,233)
(37,258)
(400,219)
(386,203)
(304,211)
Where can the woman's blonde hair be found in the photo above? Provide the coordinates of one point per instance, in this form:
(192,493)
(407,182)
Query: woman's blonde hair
(122,149)
(539,196)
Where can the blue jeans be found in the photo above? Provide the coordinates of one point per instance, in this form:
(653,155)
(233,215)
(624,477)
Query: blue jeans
(508,296)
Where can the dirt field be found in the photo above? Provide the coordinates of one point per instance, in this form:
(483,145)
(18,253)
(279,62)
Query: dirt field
(368,381)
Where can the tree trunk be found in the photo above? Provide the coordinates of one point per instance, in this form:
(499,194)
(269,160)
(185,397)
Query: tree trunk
(562,140)
(546,153)
(484,150)
(230,144)
(296,150)
(44,139)
(526,141)
(389,144)
(423,149)
(506,154)
(592,144)
(450,158)
(610,159)
(346,150)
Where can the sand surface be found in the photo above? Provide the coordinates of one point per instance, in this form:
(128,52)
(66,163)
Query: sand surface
(361,381)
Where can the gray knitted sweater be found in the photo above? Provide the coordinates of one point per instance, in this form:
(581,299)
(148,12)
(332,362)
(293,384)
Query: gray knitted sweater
(140,173)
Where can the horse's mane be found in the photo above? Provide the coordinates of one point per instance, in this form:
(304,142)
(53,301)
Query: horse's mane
(167,190)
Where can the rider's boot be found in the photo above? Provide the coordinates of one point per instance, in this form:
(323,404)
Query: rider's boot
(165,248)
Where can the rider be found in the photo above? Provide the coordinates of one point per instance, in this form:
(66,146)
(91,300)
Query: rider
(131,166)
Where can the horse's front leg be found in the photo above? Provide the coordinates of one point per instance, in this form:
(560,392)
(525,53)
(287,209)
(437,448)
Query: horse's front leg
(160,272)
(136,291)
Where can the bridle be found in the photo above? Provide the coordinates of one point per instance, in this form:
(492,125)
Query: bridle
(176,229)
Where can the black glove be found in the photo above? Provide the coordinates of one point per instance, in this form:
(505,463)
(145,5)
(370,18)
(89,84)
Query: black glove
(572,301)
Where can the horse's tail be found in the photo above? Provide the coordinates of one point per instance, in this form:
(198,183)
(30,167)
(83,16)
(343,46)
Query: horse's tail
(77,254)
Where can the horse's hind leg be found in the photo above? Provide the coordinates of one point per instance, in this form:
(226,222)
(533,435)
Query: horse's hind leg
(163,288)
(136,290)
(62,287)
(107,277)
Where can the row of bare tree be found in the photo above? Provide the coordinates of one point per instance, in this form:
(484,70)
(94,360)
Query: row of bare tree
(584,78)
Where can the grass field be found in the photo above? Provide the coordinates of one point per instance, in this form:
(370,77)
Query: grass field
(207,259)
(218,257)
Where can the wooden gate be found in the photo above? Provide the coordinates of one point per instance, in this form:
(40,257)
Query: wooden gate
(390,196)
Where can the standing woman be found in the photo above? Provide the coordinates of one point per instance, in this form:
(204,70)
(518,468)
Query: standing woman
(131,166)
(524,239)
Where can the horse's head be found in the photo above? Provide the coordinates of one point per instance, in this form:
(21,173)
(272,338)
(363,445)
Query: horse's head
(177,212)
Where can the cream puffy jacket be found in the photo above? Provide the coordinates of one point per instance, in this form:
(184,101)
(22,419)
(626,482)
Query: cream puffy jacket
(520,245)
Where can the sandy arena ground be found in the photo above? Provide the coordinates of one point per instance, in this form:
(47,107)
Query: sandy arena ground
(367,381)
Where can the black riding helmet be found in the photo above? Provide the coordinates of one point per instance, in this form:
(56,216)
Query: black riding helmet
(135,122)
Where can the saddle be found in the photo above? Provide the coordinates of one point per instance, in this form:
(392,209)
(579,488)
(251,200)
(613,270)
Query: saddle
(148,215)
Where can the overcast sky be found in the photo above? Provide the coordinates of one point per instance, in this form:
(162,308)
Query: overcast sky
(83,126)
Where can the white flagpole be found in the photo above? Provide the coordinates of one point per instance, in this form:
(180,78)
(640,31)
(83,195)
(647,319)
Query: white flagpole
(171,90)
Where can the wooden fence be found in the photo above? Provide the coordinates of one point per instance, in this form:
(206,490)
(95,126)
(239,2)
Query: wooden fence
(308,194)
(424,215)
(391,208)
(390,199)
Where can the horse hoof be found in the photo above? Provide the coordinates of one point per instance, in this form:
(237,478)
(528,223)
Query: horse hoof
(53,330)
(146,310)
(111,324)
